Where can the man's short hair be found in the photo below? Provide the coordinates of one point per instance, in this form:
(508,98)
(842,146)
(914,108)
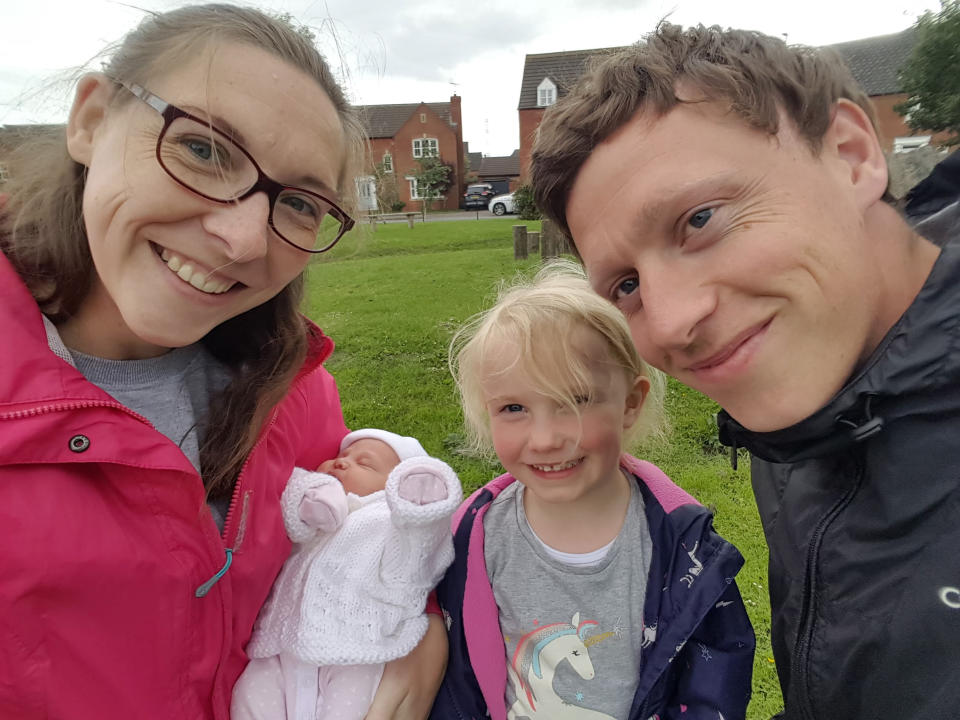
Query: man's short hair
(757,75)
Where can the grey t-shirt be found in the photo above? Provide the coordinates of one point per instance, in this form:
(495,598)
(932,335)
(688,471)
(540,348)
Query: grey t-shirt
(172,391)
(573,633)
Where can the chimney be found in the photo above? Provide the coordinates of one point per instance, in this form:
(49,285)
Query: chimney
(455,109)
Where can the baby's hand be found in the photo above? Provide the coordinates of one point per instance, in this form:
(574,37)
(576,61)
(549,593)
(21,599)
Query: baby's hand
(422,488)
(323,508)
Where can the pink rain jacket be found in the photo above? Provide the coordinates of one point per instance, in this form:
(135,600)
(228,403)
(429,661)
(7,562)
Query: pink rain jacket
(105,538)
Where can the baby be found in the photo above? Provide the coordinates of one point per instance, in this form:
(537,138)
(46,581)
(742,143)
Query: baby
(372,537)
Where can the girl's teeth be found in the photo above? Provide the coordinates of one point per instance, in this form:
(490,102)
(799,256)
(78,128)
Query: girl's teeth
(173,262)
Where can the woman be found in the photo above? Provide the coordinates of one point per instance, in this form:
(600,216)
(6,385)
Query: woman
(157,384)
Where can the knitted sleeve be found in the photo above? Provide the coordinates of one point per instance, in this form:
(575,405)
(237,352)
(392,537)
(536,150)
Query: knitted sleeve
(420,546)
(300,481)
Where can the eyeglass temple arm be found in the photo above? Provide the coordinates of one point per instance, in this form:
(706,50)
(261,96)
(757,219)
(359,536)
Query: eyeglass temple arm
(149,98)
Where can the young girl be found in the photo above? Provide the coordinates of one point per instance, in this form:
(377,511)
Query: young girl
(586,584)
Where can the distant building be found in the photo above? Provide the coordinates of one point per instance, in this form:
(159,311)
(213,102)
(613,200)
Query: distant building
(874,62)
(400,135)
(503,172)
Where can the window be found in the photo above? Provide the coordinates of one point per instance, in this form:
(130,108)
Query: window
(546,93)
(423,117)
(425,147)
(3,173)
(908,144)
(414,195)
(387,163)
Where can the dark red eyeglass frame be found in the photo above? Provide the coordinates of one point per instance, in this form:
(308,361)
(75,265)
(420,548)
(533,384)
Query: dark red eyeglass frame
(264,183)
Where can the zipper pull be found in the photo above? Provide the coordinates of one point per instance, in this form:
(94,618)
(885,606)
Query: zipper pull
(206,587)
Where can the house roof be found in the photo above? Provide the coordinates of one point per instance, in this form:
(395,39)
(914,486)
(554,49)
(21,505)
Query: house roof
(383,121)
(563,68)
(503,165)
(474,159)
(875,61)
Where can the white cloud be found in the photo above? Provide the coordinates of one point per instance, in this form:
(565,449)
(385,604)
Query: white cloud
(425,49)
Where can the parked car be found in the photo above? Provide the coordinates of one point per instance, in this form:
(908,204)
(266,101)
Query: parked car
(502,204)
(478,195)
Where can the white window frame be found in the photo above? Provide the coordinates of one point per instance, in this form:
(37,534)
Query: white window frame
(387,162)
(422,144)
(414,190)
(423,117)
(910,143)
(414,194)
(546,93)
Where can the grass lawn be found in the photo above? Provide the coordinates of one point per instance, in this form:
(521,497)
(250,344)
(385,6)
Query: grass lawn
(391,300)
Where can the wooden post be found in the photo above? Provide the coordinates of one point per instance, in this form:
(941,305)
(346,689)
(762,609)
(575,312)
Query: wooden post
(410,217)
(548,240)
(519,242)
(533,242)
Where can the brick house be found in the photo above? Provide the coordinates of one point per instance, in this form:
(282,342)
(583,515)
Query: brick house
(501,171)
(873,61)
(399,135)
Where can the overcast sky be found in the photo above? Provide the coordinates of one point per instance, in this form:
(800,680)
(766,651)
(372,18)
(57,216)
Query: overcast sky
(389,52)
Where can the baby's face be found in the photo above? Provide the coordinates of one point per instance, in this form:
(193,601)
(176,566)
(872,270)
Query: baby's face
(363,467)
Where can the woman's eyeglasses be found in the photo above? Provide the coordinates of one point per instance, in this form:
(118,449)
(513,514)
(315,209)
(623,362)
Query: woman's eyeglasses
(207,162)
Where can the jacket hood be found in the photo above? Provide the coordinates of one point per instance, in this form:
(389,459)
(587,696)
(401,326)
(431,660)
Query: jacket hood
(919,356)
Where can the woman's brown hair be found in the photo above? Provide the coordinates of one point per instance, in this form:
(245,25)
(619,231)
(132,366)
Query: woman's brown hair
(43,232)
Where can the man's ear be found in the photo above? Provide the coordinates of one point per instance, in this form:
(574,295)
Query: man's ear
(853,140)
(87,115)
(635,398)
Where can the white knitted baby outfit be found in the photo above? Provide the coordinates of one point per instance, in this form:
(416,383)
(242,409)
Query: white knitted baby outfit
(356,596)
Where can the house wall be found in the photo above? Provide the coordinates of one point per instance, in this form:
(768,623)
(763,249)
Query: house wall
(891,124)
(449,143)
(529,122)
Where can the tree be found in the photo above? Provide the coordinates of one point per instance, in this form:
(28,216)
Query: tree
(433,178)
(523,203)
(388,194)
(930,77)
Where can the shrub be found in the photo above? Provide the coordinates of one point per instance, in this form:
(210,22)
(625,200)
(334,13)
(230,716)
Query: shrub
(523,203)
(397,205)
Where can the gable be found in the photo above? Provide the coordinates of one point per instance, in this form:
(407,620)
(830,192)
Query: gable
(384,121)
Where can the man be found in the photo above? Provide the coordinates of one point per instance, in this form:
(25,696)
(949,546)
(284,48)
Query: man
(728,193)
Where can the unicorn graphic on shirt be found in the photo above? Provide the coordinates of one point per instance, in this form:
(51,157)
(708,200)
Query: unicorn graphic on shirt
(534,665)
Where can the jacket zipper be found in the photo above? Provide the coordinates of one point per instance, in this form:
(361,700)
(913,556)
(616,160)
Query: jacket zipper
(807,624)
(77,405)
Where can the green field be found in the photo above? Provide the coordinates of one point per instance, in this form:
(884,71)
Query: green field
(391,300)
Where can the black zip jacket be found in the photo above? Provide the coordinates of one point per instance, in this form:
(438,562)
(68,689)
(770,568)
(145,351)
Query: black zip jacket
(860,505)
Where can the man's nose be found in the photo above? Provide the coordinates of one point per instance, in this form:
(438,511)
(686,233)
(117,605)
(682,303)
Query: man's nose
(674,303)
(242,226)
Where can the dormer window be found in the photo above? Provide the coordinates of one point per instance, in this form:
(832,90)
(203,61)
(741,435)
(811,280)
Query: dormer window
(546,93)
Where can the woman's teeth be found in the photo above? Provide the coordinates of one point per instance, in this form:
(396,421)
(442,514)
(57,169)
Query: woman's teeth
(198,278)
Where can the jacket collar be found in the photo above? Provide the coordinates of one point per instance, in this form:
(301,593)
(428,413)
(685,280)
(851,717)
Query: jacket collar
(918,356)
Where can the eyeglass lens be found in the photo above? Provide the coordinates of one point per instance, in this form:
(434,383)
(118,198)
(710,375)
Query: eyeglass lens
(206,160)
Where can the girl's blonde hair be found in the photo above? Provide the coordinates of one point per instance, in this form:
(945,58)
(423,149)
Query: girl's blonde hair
(538,320)
(42,229)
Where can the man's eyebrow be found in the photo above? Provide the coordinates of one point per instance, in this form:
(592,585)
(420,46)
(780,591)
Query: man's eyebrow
(697,190)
